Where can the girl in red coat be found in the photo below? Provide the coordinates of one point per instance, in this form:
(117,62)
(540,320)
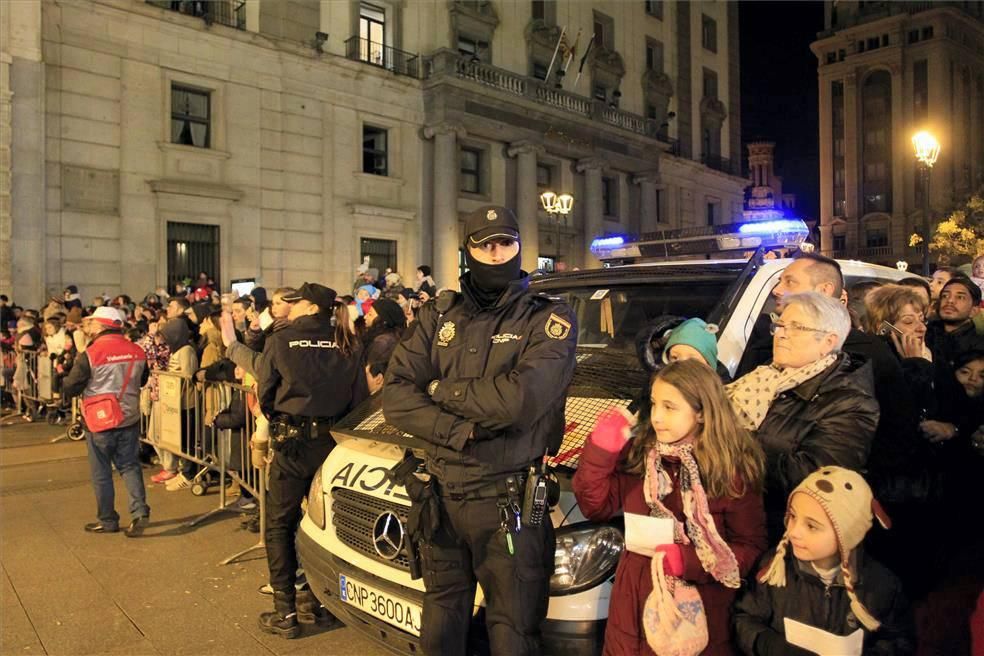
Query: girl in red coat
(693,464)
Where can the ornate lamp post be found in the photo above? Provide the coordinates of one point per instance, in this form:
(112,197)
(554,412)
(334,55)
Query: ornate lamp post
(927,151)
(557,207)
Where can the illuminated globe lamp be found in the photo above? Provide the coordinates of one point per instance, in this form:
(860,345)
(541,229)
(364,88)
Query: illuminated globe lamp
(902,265)
(927,151)
(554,204)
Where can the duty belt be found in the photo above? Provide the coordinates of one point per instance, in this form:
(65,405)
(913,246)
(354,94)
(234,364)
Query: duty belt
(490,490)
(286,427)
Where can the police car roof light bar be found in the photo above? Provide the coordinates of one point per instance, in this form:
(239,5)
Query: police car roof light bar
(702,241)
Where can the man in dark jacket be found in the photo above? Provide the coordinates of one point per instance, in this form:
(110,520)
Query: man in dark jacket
(954,331)
(310,375)
(112,365)
(483,379)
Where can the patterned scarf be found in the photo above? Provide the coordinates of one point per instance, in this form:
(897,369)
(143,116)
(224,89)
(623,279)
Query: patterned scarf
(714,553)
(752,395)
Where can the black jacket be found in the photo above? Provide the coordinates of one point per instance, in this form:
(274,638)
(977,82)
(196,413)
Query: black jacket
(761,610)
(828,420)
(946,346)
(503,375)
(303,373)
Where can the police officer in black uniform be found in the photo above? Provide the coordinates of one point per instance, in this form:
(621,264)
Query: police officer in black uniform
(483,380)
(308,376)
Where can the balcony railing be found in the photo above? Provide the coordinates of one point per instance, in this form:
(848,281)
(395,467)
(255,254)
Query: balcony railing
(718,164)
(383,56)
(231,13)
(875,251)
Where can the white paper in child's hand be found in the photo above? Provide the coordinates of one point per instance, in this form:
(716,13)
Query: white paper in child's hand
(644,533)
(822,642)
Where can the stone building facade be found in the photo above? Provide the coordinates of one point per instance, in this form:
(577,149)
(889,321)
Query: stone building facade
(888,70)
(287,140)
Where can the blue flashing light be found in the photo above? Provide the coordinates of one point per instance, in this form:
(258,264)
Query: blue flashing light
(607,242)
(772,227)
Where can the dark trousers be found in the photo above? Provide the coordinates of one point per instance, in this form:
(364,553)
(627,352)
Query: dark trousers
(119,447)
(470,548)
(291,474)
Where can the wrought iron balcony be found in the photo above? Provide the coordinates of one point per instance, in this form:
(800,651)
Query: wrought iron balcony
(231,13)
(719,164)
(875,251)
(383,56)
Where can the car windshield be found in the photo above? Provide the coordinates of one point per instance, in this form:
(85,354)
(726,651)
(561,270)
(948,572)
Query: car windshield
(610,317)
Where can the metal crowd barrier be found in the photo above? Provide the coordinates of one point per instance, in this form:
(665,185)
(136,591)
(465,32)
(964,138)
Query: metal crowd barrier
(182,423)
(32,382)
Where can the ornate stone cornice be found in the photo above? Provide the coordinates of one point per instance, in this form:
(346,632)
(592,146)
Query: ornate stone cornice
(647,176)
(713,109)
(447,127)
(609,61)
(590,164)
(524,147)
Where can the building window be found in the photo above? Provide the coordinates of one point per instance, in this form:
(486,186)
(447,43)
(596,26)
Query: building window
(841,55)
(539,10)
(659,206)
(860,46)
(544,176)
(654,55)
(710,84)
(380,252)
(374,155)
(831,57)
(713,213)
(876,127)
(474,49)
(471,170)
(840,242)
(604,31)
(708,33)
(539,70)
(191,117)
(876,237)
(609,196)
(654,8)
(920,91)
(884,41)
(839,147)
(372,31)
(872,43)
(599,92)
(927,33)
(913,36)
(191,248)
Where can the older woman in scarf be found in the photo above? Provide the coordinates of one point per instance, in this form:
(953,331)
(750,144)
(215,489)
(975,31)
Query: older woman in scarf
(812,405)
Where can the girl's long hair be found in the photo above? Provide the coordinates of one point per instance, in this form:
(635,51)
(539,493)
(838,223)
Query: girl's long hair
(730,460)
(346,340)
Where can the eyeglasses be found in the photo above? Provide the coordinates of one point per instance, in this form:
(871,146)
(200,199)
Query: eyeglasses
(791,328)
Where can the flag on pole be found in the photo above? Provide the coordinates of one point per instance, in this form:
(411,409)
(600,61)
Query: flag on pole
(572,51)
(553,59)
(584,59)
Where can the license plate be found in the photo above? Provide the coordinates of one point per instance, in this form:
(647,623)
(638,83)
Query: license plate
(391,609)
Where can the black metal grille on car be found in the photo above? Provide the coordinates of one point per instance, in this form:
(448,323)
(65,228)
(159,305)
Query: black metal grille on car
(353,516)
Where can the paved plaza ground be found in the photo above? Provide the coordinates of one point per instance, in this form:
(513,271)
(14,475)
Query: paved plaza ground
(65,591)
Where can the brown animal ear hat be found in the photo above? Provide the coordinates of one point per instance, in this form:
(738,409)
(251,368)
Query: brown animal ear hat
(847,499)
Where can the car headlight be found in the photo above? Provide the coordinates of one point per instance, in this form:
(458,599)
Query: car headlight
(316,502)
(586,555)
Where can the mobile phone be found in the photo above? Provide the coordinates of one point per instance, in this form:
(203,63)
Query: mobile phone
(887,328)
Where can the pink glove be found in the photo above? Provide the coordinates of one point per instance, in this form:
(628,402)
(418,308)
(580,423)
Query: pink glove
(613,429)
(672,559)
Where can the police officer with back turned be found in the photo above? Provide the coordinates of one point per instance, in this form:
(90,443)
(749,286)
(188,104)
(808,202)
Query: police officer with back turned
(483,379)
(308,376)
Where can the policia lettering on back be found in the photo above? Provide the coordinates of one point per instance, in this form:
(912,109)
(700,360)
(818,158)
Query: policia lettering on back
(483,380)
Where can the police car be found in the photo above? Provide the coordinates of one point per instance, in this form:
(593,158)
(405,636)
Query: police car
(352,541)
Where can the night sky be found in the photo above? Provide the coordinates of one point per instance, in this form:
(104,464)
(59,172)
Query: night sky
(779,91)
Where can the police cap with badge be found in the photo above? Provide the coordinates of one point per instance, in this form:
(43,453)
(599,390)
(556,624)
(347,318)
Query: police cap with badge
(312,292)
(490,222)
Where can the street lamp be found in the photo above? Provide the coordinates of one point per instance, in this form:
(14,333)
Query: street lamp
(927,150)
(557,206)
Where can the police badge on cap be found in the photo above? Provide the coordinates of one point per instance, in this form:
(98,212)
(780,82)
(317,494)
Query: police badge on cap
(490,222)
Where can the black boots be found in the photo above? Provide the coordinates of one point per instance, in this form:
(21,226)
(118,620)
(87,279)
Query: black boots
(310,610)
(283,620)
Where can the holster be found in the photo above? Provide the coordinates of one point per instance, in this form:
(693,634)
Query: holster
(425,510)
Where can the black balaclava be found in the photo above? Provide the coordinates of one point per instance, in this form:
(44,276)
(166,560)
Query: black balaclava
(488,281)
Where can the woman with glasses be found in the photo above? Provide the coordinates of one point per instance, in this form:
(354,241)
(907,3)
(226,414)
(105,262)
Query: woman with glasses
(812,405)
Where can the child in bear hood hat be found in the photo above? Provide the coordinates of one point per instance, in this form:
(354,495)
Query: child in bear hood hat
(827,582)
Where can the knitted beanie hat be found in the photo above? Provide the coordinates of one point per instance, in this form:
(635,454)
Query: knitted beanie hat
(850,506)
(695,333)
